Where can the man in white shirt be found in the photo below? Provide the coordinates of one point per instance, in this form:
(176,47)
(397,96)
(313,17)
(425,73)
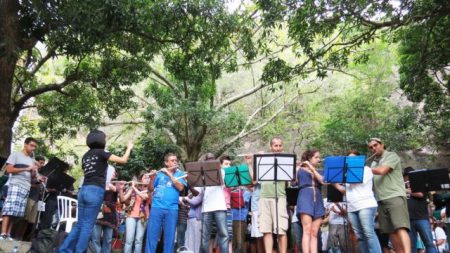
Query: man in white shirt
(439,236)
(214,208)
(336,237)
(21,165)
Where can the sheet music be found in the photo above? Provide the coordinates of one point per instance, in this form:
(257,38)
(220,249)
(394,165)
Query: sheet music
(265,170)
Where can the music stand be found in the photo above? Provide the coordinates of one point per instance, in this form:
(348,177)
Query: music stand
(346,170)
(333,195)
(274,167)
(237,176)
(426,180)
(53,165)
(292,195)
(205,173)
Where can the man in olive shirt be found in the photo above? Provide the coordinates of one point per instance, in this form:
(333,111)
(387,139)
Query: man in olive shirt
(390,192)
(268,203)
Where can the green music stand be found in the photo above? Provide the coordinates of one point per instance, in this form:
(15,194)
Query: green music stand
(237,176)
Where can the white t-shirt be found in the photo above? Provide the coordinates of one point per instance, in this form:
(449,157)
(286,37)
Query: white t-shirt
(361,196)
(335,218)
(439,233)
(214,198)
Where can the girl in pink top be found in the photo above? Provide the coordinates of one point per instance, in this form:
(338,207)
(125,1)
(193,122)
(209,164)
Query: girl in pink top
(138,210)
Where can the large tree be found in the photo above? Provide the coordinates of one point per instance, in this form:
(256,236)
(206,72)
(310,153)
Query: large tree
(331,33)
(102,47)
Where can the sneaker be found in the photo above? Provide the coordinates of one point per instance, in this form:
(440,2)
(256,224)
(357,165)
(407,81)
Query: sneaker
(3,237)
(9,238)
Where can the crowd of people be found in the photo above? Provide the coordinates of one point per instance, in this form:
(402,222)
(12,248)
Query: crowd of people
(160,212)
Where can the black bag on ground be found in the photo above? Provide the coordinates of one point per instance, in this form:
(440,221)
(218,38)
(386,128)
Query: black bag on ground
(44,241)
(47,240)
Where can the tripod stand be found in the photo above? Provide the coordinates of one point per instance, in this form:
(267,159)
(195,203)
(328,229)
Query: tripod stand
(275,168)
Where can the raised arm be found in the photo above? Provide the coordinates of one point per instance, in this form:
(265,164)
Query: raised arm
(122,159)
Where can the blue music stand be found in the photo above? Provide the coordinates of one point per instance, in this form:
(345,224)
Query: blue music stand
(344,169)
(355,169)
(334,169)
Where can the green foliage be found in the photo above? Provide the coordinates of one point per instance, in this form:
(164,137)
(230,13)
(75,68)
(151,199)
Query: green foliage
(330,34)
(424,58)
(148,154)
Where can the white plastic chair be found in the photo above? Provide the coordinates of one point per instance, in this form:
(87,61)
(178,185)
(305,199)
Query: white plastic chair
(65,205)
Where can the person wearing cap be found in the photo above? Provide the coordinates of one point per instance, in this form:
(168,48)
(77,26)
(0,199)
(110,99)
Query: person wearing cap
(391,195)
(90,198)
(418,216)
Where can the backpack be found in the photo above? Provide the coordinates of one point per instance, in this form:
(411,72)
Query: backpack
(44,241)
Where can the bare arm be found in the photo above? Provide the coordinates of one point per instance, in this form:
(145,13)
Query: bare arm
(151,184)
(122,159)
(249,161)
(124,197)
(142,194)
(340,188)
(177,183)
(417,194)
(317,176)
(381,170)
(10,169)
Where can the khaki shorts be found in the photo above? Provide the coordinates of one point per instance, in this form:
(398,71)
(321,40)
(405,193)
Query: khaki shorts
(268,216)
(393,214)
(31,211)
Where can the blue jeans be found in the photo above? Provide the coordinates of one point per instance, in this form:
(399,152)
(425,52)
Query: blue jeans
(181,234)
(102,238)
(161,219)
(424,229)
(363,222)
(90,199)
(221,224)
(135,230)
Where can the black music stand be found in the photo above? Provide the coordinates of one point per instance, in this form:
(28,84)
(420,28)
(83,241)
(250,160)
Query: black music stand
(333,195)
(205,173)
(275,167)
(53,165)
(292,195)
(426,180)
(54,171)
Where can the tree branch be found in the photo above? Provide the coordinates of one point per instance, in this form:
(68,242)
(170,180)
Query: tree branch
(28,107)
(46,88)
(244,133)
(162,78)
(50,53)
(241,96)
(123,123)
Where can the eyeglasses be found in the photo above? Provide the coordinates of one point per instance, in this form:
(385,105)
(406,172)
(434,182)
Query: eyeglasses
(373,146)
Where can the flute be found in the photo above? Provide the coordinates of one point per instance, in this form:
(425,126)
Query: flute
(159,171)
(370,157)
(129,182)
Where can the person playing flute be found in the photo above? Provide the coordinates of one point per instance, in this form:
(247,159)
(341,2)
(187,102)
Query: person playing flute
(164,212)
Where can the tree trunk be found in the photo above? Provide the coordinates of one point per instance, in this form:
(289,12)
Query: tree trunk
(6,119)
(193,152)
(10,48)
